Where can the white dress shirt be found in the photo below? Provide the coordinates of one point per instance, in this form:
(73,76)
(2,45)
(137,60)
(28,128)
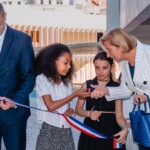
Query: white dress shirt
(57,92)
(2,37)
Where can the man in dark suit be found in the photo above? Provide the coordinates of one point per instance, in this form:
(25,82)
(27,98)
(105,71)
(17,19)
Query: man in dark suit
(17,80)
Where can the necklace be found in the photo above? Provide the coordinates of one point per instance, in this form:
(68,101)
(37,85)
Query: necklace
(107,80)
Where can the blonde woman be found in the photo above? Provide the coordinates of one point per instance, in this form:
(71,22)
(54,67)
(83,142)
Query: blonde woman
(133,57)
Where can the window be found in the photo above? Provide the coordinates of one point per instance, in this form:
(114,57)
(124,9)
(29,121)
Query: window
(37,37)
(32,35)
(71,2)
(4,3)
(10,3)
(59,2)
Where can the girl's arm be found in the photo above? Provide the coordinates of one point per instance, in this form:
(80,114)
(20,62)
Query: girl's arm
(79,109)
(80,103)
(94,115)
(119,113)
(53,105)
(121,122)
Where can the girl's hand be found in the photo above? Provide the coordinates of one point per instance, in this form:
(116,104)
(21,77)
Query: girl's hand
(98,92)
(82,94)
(122,136)
(94,115)
(143,98)
(69,112)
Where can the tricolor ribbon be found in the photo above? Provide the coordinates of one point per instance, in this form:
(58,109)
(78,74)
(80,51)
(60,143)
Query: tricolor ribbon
(84,128)
(116,145)
(73,122)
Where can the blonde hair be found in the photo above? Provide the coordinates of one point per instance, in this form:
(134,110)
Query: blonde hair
(120,38)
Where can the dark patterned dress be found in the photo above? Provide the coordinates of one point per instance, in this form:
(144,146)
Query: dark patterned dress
(107,122)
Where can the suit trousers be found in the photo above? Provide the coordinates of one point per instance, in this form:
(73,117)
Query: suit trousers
(14,136)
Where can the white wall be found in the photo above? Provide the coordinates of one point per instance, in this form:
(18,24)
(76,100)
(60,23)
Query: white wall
(28,15)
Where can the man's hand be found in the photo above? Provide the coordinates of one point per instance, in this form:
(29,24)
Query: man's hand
(6,103)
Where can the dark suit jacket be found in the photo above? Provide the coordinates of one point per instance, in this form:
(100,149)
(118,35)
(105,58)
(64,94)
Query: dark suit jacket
(17,76)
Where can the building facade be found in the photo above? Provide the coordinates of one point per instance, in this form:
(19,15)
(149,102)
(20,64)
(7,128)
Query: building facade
(69,22)
(13,2)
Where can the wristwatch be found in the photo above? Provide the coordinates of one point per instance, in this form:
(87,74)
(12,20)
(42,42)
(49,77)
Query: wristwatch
(125,127)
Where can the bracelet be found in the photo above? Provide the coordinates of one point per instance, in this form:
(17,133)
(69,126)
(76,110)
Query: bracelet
(88,114)
(124,127)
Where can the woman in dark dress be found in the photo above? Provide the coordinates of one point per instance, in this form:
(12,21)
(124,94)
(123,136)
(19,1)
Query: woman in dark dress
(101,115)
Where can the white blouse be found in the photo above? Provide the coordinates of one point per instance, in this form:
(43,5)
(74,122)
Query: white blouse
(57,92)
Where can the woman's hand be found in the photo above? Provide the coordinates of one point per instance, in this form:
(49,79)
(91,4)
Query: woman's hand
(122,136)
(99,91)
(69,112)
(94,115)
(143,99)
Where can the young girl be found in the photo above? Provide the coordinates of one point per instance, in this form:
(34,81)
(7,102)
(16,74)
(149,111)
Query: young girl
(54,68)
(100,114)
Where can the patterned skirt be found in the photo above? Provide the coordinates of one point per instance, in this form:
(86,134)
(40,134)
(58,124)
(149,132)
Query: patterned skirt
(54,138)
